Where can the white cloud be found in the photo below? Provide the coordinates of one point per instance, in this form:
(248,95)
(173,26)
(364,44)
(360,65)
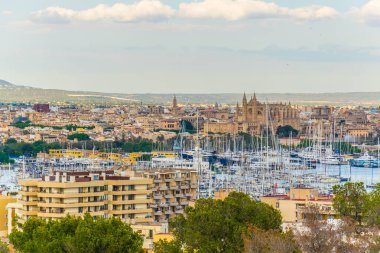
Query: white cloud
(154,10)
(144,10)
(368,13)
(7,12)
(242,9)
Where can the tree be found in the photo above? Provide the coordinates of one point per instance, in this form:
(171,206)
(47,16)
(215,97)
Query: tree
(11,141)
(3,247)
(4,158)
(373,207)
(79,235)
(218,226)
(79,137)
(315,234)
(286,131)
(351,199)
(164,246)
(268,241)
(187,125)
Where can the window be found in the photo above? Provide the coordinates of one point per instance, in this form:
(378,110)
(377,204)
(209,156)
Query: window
(150,233)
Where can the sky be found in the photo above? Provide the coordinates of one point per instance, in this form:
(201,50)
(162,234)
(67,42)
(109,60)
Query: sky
(183,46)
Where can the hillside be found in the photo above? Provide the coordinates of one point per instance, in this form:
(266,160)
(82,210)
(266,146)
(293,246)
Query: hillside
(10,93)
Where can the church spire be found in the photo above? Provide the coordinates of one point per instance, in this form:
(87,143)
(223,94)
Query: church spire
(254,96)
(237,111)
(174,105)
(244,99)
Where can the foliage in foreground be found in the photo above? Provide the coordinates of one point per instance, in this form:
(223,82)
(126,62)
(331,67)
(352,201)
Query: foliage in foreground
(219,226)
(79,235)
(165,246)
(344,235)
(353,201)
(3,247)
(268,241)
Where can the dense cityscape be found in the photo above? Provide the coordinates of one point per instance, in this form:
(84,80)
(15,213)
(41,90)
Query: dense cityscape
(150,164)
(189,126)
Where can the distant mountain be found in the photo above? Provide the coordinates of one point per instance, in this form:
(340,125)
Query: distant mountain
(11,93)
(5,84)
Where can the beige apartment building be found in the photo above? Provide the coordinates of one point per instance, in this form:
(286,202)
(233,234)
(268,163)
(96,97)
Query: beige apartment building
(101,194)
(292,206)
(172,191)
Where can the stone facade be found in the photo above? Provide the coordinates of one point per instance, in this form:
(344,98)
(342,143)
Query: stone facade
(253,117)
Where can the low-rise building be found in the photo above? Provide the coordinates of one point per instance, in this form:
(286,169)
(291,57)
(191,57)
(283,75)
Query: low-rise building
(292,205)
(5,218)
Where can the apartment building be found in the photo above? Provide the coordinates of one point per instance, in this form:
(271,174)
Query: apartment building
(172,191)
(5,216)
(292,206)
(101,194)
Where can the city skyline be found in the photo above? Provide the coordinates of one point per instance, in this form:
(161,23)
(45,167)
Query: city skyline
(191,47)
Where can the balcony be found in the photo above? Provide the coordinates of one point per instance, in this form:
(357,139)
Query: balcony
(185,187)
(168,196)
(174,204)
(180,195)
(158,213)
(156,181)
(178,179)
(189,194)
(163,188)
(175,188)
(180,211)
(154,206)
(169,212)
(164,205)
(157,197)
(168,180)
(193,186)
(184,203)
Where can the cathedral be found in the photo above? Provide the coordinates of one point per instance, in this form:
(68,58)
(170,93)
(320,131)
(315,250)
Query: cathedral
(253,116)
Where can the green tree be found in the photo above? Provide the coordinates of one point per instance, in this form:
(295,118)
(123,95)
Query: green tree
(351,199)
(79,137)
(286,131)
(373,207)
(79,235)
(187,124)
(3,247)
(11,141)
(164,246)
(218,226)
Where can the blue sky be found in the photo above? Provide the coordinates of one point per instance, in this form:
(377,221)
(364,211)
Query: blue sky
(192,46)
